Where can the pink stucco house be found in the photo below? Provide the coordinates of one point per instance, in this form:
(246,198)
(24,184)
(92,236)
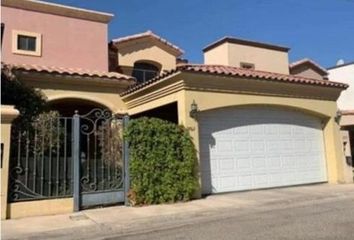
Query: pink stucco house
(256,120)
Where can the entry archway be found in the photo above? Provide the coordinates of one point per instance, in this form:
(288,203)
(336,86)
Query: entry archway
(67,106)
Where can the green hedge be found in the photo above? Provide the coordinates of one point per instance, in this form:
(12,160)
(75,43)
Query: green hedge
(162,162)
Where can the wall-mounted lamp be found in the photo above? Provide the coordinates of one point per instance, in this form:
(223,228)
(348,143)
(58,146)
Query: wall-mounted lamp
(338,116)
(194,110)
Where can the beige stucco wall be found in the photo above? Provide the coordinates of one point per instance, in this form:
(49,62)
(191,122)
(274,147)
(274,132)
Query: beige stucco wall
(40,207)
(212,97)
(145,50)
(344,74)
(346,143)
(103,92)
(109,100)
(217,55)
(347,120)
(263,59)
(8,114)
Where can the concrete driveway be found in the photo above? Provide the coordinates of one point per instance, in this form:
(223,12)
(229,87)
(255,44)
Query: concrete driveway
(307,212)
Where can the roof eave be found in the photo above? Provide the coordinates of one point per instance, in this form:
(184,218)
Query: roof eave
(341,65)
(244,42)
(59,9)
(125,40)
(73,79)
(183,68)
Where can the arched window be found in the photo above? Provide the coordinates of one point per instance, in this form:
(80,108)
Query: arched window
(144,71)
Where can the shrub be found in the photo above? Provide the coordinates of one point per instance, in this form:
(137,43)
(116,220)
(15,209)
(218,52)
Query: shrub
(50,131)
(162,162)
(29,101)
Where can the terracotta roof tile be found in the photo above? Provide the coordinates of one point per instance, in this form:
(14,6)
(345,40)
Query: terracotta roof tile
(70,71)
(239,72)
(148,34)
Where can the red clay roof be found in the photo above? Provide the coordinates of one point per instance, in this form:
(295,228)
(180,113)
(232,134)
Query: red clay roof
(308,61)
(70,71)
(239,72)
(149,34)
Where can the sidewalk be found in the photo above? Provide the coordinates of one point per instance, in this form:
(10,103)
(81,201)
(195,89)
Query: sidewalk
(103,223)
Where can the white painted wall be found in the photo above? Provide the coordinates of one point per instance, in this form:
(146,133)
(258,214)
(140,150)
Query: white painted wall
(344,74)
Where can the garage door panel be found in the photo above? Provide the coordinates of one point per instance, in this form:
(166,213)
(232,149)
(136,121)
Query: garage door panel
(243,162)
(274,162)
(258,148)
(258,162)
(227,182)
(245,181)
(226,164)
(224,146)
(241,146)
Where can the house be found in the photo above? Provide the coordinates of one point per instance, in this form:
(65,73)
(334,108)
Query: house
(62,51)
(55,47)
(345,72)
(256,126)
(256,121)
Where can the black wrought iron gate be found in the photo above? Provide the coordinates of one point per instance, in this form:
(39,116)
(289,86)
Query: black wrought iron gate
(100,159)
(84,156)
(40,160)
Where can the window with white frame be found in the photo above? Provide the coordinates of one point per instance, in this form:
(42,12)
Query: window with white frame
(26,43)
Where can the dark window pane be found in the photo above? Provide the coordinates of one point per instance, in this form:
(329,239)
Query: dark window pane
(144,71)
(26,43)
(139,75)
(150,75)
(146,66)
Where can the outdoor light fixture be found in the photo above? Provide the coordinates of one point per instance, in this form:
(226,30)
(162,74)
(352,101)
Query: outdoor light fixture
(338,116)
(194,110)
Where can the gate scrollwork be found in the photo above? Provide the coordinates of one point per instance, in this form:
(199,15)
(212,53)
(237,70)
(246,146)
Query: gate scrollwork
(101,151)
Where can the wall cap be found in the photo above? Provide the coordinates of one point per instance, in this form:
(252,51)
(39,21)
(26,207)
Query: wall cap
(8,113)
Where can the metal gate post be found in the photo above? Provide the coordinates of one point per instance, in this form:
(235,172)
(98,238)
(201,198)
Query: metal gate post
(76,160)
(126,163)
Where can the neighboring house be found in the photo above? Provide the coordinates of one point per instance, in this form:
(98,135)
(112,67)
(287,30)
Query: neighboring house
(344,72)
(256,123)
(308,68)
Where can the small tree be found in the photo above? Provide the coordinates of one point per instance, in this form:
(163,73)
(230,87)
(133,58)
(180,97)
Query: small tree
(162,162)
(34,115)
(29,101)
(49,131)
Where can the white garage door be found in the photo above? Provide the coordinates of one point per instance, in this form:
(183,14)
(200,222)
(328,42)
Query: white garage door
(259,147)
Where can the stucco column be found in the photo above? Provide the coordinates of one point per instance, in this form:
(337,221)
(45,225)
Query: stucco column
(8,114)
(184,107)
(338,170)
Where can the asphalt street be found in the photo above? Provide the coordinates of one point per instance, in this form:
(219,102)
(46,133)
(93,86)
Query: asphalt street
(332,219)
